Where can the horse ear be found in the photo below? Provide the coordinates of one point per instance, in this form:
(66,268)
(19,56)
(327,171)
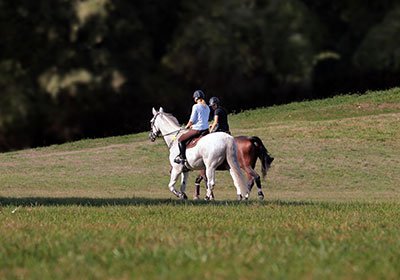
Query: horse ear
(154,111)
(161,110)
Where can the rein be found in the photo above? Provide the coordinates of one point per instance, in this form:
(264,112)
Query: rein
(172,132)
(173,139)
(167,134)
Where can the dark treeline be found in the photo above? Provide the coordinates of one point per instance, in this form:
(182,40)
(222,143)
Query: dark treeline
(83,69)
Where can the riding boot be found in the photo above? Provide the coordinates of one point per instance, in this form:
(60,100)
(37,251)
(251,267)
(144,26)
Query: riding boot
(181,158)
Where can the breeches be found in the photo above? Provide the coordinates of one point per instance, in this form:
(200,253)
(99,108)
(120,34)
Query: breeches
(189,135)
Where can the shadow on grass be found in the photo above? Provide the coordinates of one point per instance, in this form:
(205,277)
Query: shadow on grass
(135,201)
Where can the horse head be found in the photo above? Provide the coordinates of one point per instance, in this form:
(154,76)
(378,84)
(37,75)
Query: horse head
(154,128)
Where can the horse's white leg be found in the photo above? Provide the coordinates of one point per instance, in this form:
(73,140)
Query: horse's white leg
(172,182)
(238,191)
(184,178)
(210,173)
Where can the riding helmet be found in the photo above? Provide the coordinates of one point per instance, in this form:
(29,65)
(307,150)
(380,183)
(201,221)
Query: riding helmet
(199,94)
(214,101)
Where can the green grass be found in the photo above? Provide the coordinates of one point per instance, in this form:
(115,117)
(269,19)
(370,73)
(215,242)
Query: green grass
(101,209)
(172,240)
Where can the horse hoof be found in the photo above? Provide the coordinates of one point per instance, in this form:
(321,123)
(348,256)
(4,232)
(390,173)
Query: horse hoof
(239,197)
(260,196)
(207,198)
(196,197)
(183,196)
(212,197)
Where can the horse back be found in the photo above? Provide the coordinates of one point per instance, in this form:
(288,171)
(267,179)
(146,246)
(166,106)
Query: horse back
(246,151)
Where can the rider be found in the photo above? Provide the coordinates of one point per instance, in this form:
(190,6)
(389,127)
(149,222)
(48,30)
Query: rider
(198,123)
(220,122)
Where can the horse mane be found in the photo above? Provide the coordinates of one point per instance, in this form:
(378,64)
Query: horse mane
(172,119)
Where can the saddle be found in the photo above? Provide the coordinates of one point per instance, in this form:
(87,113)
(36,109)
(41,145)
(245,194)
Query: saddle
(189,144)
(192,142)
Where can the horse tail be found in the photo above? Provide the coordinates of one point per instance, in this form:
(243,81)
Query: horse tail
(262,154)
(236,172)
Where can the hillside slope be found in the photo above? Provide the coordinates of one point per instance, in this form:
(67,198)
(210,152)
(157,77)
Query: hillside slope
(342,148)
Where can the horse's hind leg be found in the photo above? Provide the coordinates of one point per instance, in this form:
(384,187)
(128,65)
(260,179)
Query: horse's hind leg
(251,173)
(260,192)
(252,177)
(210,174)
(197,185)
(250,180)
(238,191)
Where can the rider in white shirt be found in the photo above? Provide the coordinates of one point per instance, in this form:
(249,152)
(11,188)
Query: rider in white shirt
(198,124)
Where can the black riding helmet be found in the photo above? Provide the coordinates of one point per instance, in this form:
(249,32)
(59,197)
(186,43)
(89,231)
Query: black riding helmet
(198,94)
(214,101)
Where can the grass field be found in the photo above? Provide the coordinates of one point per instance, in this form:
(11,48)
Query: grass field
(101,209)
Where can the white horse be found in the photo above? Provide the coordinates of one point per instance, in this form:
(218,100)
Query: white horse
(210,152)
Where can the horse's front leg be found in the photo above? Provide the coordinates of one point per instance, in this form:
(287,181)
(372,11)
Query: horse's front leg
(184,178)
(174,178)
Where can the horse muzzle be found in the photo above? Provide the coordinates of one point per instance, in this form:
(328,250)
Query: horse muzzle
(152,136)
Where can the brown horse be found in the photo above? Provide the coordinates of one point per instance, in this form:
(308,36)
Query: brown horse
(248,150)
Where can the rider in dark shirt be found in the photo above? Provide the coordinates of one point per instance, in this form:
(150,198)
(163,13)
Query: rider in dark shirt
(220,122)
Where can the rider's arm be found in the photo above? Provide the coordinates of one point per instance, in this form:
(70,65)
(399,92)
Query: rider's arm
(193,117)
(214,124)
(189,125)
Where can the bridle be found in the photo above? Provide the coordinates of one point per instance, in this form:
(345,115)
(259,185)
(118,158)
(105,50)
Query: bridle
(154,135)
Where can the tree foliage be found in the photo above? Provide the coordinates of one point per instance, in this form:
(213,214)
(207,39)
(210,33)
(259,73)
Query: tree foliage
(92,68)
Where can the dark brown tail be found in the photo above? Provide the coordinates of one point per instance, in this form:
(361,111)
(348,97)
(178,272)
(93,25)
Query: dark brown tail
(263,155)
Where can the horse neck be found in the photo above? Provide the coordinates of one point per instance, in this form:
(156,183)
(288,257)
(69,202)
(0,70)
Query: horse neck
(170,131)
